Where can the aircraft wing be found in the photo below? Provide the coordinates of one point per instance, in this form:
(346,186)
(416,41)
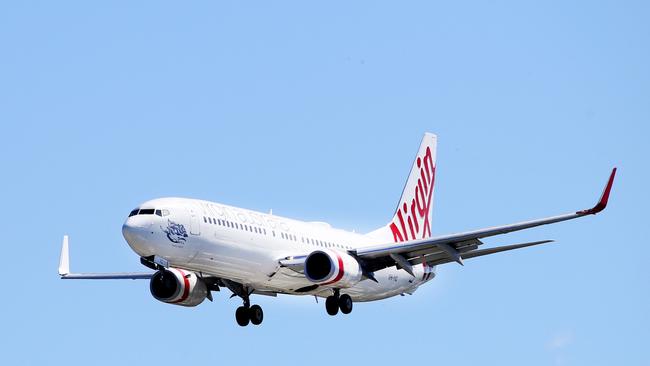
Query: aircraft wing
(456,247)
(64,269)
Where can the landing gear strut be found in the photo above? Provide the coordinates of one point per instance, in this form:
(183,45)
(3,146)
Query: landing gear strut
(338,302)
(245,314)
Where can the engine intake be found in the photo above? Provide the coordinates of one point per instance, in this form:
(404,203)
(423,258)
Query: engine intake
(329,267)
(179,287)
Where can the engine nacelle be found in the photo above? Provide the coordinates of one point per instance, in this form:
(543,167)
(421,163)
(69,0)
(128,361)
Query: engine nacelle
(178,286)
(332,268)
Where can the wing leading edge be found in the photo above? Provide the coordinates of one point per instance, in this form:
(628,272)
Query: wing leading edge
(64,269)
(456,247)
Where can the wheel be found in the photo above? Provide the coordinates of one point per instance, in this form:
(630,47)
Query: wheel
(332,305)
(345,304)
(256,314)
(242,317)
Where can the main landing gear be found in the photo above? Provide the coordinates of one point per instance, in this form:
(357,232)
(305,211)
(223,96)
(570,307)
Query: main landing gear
(245,314)
(337,301)
(248,313)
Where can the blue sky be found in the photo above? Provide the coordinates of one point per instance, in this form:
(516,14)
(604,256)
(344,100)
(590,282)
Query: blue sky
(316,111)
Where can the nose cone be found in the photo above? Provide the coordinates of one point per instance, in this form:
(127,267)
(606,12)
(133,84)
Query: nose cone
(137,232)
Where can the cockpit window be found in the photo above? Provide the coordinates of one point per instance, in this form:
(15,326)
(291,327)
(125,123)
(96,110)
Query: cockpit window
(149,211)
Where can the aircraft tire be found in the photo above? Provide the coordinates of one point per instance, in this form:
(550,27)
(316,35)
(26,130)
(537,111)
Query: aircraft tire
(345,304)
(332,305)
(242,316)
(256,314)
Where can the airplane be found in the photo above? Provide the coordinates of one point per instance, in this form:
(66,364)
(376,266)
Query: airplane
(195,247)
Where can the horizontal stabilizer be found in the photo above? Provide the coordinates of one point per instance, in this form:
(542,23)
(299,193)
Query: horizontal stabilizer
(482,252)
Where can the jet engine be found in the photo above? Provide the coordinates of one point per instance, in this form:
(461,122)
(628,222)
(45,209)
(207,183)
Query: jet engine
(179,287)
(329,267)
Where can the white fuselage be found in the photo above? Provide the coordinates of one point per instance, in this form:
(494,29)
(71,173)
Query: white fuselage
(246,246)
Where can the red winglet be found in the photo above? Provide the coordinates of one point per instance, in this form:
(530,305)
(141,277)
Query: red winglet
(602,203)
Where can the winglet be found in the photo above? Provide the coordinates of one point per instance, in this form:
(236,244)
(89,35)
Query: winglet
(64,259)
(602,203)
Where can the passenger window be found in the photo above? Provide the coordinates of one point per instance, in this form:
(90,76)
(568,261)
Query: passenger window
(134,212)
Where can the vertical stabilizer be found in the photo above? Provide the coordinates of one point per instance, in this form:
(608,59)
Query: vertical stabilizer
(412,218)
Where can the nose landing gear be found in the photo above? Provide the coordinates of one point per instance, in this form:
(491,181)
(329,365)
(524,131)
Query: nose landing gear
(338,302)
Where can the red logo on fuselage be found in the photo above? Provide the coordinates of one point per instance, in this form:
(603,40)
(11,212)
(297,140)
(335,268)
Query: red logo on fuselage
(412,221)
